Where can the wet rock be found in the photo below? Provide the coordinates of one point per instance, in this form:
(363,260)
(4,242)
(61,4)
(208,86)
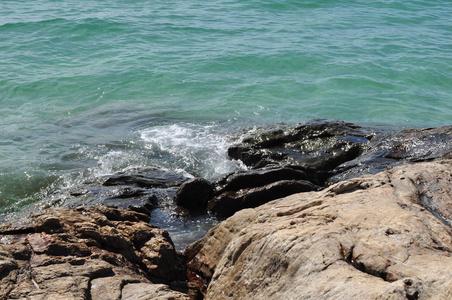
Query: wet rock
(388,150)
(194,193)
(229,202)
(85,253)
(337,150)
(259,177)
(138,189)
(252,188)
(146,178)
(322,144)
(372,237)
(419,144)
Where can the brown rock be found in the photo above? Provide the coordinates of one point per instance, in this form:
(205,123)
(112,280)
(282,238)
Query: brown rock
(84,253)
(140,291)
(373,237)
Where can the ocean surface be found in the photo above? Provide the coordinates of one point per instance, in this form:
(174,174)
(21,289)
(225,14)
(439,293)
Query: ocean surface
(89,88)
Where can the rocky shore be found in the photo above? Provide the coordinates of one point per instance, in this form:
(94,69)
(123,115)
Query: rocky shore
(384,236)
(326,210)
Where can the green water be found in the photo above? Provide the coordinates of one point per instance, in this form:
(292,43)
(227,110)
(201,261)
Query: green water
(92,87)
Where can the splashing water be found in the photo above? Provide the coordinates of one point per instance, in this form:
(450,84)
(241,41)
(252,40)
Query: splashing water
(200,150)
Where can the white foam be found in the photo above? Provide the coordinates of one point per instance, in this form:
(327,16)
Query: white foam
(192,150)
(198,149)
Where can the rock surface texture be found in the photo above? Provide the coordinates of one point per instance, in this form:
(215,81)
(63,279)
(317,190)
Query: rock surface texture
(383,236)
(86,253)
(255,187)
(341,150)
(138,189)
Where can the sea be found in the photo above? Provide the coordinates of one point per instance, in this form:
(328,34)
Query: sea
(90,88)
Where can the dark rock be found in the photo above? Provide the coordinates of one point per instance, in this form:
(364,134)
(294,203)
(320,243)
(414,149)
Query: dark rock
(417,145)
(194,193)
(321,144)
(146,178)
(259,177)
(252,188)
(388,150)
(227,203)
(323,152)
(135,189)
(337,150)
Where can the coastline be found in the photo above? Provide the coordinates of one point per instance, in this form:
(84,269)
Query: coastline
(307,162)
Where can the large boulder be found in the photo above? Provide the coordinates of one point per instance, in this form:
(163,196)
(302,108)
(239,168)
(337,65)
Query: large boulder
(383,236)
(86,253)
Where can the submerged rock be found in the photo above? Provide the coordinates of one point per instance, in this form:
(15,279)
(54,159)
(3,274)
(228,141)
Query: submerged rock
(86,253)
(383,236)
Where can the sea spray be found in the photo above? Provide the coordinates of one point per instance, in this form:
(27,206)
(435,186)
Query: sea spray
(198,149)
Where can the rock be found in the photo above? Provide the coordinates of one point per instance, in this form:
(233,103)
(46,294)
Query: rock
(322,144)
(194,193)
(252,188)
(138,189)
(85,253)
(373,237)
(260,177)
(388,150)
(140,291)
(227,203)
(333,151)
(146,178)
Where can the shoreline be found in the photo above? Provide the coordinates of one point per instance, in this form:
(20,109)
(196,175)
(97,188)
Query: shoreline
(135,187)
(316,162)
(39,186)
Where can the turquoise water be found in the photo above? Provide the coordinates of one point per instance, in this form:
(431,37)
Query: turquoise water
(92,87)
